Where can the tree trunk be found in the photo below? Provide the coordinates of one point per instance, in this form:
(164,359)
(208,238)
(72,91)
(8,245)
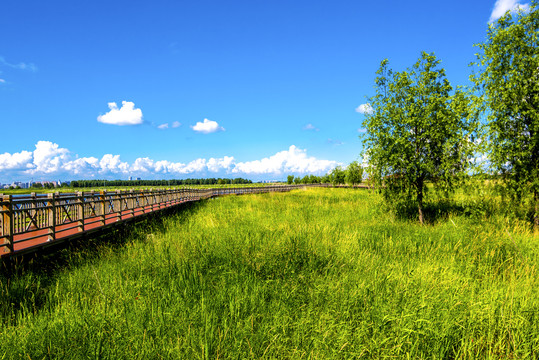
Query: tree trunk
(420,203)
(536,213)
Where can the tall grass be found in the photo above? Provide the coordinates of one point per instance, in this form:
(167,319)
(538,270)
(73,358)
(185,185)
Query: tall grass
(321,273)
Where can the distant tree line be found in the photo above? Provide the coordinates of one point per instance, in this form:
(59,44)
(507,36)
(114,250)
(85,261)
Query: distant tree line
(351,175)
(174,182)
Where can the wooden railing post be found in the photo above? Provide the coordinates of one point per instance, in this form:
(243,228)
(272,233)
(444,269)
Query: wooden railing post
(51,212)
(131,203)
(103,208)
(80,205)
(33,211)
(7,223)
(119,204)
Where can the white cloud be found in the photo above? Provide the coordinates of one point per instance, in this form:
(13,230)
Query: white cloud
(113,164)
(294,160)
(207,127)
(502,6)
(82,166)
(20,66)
(310,127)
(16,161)
(364,109)
(142,165)
(2,81)
(165,126)
(49,157)
(126,115)
(50,161)
(216,165)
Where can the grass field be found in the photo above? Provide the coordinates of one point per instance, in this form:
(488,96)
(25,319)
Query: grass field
(320,273)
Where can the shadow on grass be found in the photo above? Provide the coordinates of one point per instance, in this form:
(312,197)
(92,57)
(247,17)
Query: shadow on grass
(25,279)
(440,210)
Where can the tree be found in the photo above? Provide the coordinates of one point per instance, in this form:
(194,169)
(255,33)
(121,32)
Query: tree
(337,175)
(354,173)
(507,77)
(417,132)
(326,179)
(290,179)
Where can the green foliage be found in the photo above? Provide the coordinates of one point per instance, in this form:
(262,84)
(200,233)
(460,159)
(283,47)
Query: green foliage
(507,77)
(419,131)
(337,175)
(354,173)
(326,179)
(290,179)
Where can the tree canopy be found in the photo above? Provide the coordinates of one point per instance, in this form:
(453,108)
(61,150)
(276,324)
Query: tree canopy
(418,130)
(506,75)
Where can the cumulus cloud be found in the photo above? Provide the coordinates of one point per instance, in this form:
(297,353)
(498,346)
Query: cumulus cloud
(176,124)
(502,6)
(163,126)
(16,161)
(216,165)
(207,127)
(126,115)
(49,157)
(50,161)
(82,166)
(293,160)
(113,164)
(364,109)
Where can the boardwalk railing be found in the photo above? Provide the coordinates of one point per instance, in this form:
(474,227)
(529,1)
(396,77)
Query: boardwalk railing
(34,221)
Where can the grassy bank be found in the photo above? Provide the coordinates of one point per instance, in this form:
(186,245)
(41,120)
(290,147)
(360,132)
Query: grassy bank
(321,273)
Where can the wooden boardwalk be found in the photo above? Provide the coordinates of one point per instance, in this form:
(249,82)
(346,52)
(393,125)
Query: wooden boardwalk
(32,222)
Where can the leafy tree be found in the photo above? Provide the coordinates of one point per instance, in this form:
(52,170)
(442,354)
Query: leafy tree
(290,179)
(354,173)
(507,76)
(417,132)
(313,179)
(338,175)
(326,179)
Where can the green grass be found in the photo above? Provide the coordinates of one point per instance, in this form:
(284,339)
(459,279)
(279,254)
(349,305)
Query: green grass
(321,273)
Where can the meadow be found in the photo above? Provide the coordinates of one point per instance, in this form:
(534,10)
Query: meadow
(310,274)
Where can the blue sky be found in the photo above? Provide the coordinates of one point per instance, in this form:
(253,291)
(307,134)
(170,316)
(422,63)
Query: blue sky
(176,89)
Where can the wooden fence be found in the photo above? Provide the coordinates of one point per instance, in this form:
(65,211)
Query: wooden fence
(31,222)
